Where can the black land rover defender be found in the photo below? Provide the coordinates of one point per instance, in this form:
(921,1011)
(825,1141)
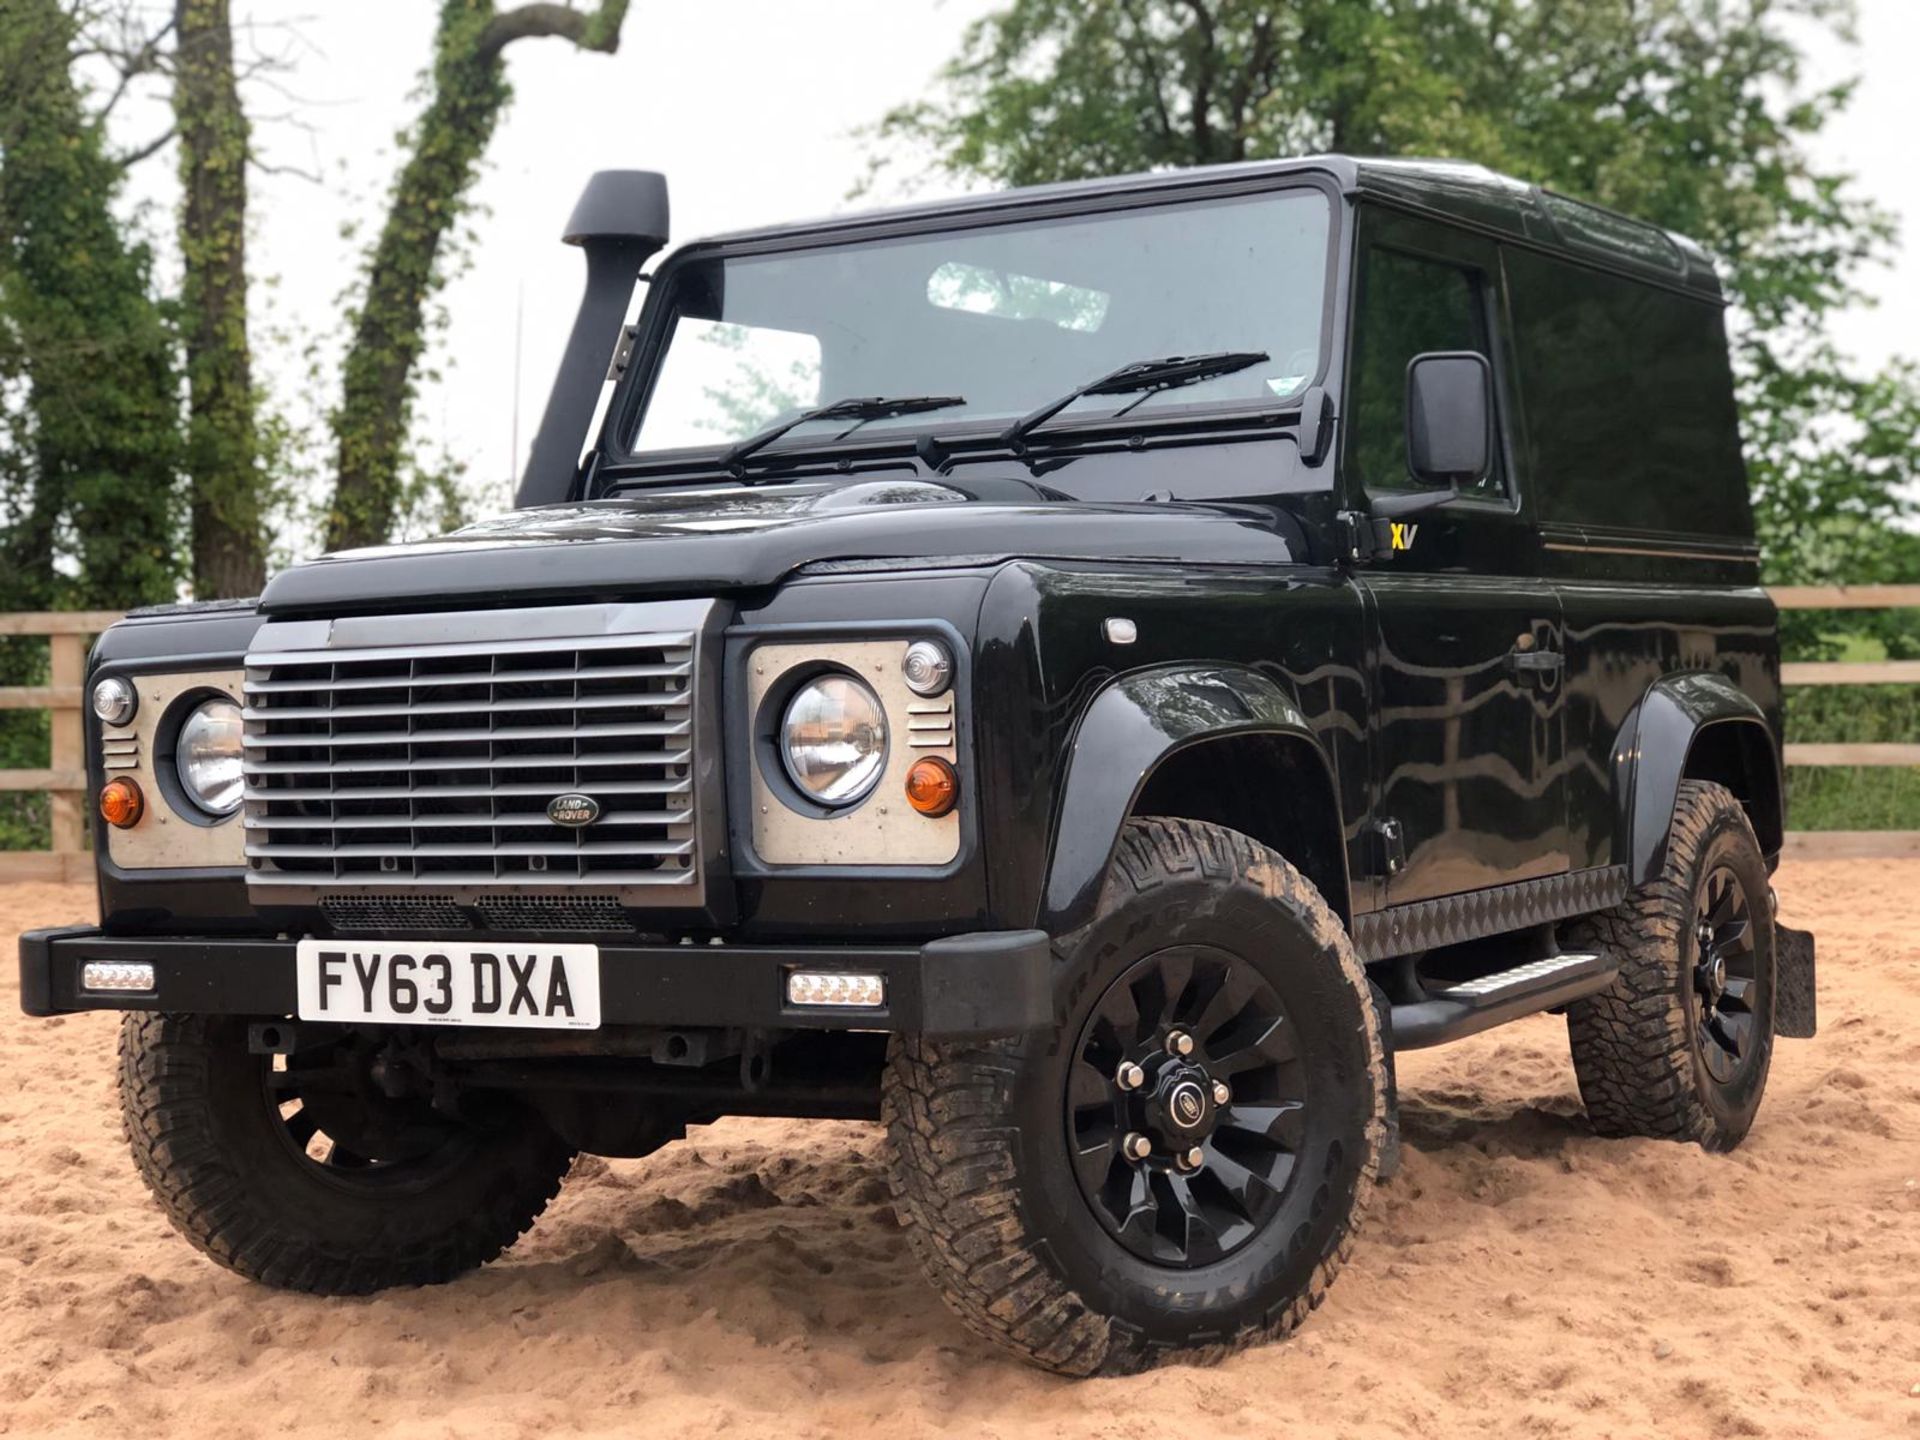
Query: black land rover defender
(1083,676)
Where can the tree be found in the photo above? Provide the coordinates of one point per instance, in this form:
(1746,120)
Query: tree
(468,93)
(89,415)
(1690,113)
(222,446)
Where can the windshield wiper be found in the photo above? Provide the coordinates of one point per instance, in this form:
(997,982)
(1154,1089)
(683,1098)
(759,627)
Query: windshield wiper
(1149,375)
(873,407)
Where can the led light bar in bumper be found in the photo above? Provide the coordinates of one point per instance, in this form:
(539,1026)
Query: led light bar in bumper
(839,989)
(116,975)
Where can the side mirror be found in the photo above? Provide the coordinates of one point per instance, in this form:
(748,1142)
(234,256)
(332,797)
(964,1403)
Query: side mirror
(1449,418)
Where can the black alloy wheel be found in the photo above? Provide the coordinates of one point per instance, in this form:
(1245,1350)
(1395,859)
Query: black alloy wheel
(343,1125)
(1186,1106)
(1725,973)
(304,1172)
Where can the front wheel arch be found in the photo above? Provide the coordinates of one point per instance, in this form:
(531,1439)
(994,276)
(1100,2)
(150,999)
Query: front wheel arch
(1193,718)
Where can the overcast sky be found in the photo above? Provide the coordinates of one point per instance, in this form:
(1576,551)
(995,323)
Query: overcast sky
(750,107)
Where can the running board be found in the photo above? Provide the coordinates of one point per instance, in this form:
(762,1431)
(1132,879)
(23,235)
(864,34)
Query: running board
(1451,1012)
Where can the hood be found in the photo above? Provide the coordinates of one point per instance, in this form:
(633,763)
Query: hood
(714,541)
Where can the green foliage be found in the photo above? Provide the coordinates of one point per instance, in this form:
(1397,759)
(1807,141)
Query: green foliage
(92,503)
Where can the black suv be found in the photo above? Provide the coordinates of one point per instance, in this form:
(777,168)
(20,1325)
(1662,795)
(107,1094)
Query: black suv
(1082,675)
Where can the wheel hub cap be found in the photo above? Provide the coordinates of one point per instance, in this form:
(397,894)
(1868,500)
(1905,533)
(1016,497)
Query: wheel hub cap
(1186,1106)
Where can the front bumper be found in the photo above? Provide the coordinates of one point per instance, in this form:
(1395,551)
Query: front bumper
(960,987)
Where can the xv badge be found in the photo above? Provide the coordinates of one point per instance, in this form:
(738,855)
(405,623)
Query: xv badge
(1400,537)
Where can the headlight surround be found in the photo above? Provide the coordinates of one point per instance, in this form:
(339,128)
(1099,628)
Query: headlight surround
(833,739)
(207,757)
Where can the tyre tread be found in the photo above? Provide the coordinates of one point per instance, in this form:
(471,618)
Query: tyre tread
(952,1167)
(165,1076)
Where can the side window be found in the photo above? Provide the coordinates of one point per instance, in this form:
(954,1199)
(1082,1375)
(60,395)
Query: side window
(1629,401)
(1409,305)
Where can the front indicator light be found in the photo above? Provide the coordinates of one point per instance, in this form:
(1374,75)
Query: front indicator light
(116,975)
(122,804)
(836,989)
(932,787)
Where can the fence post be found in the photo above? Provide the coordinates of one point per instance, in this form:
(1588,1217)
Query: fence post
(68,671)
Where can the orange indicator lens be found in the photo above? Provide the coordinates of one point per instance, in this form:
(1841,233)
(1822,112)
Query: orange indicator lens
(932,788)
(121,803)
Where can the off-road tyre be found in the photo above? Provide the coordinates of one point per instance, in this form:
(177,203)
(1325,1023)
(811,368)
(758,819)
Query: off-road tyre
(1637,1046)
(202,1134)
(979,1159)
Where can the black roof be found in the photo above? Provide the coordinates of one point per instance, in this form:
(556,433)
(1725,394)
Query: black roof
(1454,190)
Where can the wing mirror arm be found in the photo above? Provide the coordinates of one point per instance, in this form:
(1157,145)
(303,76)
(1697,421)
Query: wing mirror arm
(1417,502)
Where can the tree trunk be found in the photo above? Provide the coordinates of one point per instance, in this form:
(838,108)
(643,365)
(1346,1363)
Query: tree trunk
(469,93)
(229,544)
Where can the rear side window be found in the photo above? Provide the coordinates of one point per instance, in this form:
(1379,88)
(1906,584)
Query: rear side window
(1629,402)
(1409,305)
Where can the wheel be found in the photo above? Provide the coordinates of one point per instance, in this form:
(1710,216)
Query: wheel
(1679,1046)
(1180,1165)
(300,1172)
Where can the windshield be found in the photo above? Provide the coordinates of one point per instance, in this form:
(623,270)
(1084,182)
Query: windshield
(1009,317)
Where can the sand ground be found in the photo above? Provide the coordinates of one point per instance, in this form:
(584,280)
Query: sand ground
(1520,1277)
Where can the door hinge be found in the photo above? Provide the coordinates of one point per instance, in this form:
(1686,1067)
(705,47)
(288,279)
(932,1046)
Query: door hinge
(622,352)
(1370,537)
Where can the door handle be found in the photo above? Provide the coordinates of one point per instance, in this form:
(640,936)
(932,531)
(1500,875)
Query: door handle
(1528,661)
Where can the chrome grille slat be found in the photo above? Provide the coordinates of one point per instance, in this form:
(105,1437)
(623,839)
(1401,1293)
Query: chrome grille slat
(468,792)
(417,767)
(475,737)
(472,677)
(509,821)
(375,852)
(435,707)
(476,762)
(394,654)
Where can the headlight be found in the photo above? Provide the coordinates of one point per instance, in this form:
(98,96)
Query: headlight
(207,757)
(834,739)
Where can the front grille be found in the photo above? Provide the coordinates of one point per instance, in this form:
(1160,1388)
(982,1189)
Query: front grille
(377,914)
(439,915)
(388,767)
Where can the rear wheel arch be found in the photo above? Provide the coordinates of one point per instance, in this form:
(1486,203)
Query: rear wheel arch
(1739,755)
(1696,726)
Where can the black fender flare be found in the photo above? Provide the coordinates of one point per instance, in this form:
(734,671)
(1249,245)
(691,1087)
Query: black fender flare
(1650,757)
(1129,728)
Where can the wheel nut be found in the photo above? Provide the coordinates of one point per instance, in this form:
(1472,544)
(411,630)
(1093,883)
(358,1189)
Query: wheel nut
(1130,1076)
(1221,1094)
(1179,1043)
(1192,1159)
(1136,1146)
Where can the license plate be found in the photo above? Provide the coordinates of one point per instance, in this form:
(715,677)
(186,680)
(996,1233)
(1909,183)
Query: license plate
(533,987)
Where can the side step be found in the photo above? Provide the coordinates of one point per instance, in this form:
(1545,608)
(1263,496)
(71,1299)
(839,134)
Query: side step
(1451,1012)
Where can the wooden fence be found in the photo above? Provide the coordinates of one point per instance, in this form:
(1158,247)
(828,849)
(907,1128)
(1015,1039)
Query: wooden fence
(1845,844)
(65,779)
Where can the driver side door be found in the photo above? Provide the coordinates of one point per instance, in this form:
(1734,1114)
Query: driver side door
(1467,738)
